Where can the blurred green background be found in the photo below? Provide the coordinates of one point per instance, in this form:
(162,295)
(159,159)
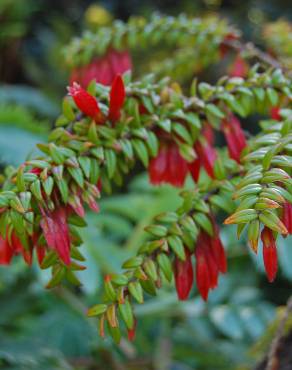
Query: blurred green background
(45,330)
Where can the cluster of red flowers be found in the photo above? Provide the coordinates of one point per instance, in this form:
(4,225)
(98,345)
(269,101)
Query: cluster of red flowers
(210,261)
(55,228)
(103,69)
(170,167)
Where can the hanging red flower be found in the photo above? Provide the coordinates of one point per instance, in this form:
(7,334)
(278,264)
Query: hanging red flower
(168,166)
(184,275)
(234,136)
(269,253)
(210,261)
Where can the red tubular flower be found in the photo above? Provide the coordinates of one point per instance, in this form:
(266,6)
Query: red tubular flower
(104,69)
(6,251)
(56,232)
(184,276)
(275,113)
(239,67)
(219,253)
(85,102)
(210,260)
(234,136)
(212,265)
(168,166)
(269,253)
(287,216)
(117,98)
(207,156)
(202,270)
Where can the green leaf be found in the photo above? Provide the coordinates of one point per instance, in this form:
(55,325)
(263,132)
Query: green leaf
(214,110)
(204,222)
(96,310)
(136,291)
(141,151)
(176,245)
(111,162)
(126,312)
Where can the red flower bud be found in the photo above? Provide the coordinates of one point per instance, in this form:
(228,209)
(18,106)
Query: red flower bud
(184,275)
(85,102)
(117,98)
(269,253)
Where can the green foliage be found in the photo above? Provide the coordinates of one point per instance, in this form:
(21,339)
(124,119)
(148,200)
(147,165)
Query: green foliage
(80,153)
